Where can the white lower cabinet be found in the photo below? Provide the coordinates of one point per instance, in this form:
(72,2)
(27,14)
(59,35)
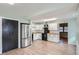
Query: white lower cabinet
(53,38)
(50,37)
(37,36)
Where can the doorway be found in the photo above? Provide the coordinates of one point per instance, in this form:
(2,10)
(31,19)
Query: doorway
(63,27)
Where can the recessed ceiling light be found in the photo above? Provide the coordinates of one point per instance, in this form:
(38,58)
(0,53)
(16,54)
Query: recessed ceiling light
(11,3)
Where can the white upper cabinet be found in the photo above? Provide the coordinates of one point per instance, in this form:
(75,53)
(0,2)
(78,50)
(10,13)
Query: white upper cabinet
(36,27)
(53,26)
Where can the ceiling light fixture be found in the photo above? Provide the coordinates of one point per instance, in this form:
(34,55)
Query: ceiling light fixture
(50,19)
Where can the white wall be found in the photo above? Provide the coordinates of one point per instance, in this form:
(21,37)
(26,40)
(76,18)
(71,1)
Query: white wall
(0,35)
(72,31)
(77,42)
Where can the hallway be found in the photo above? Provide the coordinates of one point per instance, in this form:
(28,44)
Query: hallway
(39,47)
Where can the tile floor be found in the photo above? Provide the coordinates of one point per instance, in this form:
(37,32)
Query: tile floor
(40,47)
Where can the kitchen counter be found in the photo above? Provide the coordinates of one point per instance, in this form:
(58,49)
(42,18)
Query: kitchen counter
(36,32)
(52,36)
(53,33)
(47,33)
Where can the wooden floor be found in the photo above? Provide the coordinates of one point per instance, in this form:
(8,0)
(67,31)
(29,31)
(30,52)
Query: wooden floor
(44,48)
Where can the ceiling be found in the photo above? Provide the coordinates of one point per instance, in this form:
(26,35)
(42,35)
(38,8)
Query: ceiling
(37,11)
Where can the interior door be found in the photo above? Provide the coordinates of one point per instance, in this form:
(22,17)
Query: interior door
(9,34)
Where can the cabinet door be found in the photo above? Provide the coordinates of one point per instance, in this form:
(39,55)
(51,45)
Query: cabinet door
(9,34)
(53,38)
(56,38)
(35,36)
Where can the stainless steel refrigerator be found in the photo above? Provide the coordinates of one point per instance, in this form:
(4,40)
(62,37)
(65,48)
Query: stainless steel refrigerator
(25,35)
